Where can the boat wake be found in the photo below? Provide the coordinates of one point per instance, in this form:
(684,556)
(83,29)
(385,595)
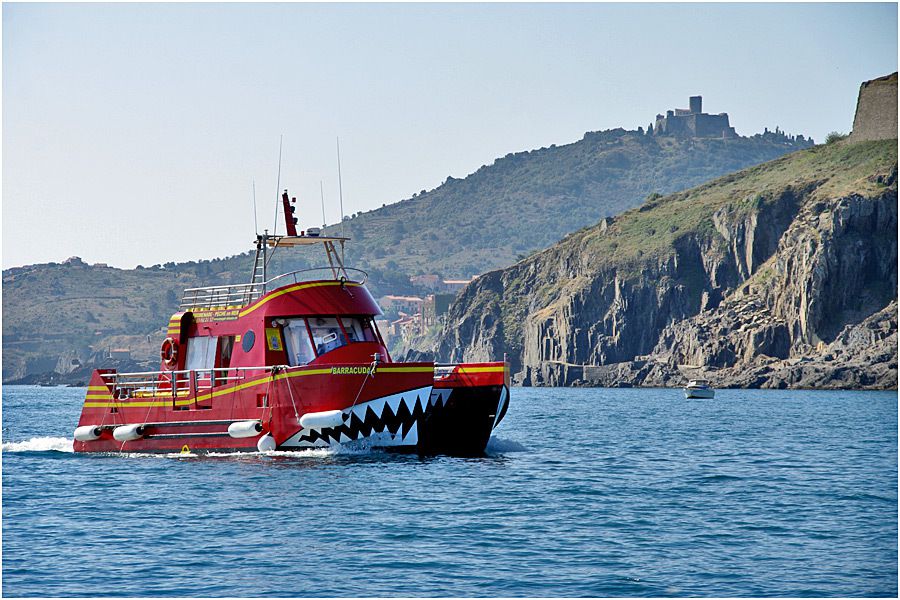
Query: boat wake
(496,444)
(62,444)
(39,444)
(325,452)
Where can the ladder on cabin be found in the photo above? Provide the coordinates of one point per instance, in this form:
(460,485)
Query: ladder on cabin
(258,278)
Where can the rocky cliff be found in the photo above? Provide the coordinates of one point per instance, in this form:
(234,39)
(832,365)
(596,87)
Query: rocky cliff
(522,202)
(781,275)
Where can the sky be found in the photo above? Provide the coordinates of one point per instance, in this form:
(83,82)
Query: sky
(132,133)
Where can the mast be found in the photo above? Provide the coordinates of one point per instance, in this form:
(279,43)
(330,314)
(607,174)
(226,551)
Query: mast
(340,185)
(322,193)
(289,218)
(277,185)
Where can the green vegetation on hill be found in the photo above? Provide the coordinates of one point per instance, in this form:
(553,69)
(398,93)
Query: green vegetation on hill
(651,231)
(520,204)
(603,295)
(529,200)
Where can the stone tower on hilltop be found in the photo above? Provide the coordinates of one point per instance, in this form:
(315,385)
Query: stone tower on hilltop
(876,110)
(693,122)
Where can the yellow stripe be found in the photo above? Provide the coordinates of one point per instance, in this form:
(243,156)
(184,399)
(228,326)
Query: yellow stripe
(216,308)
(480,370)
(288,290)
(98,388)
(124,405)
(308,372)
(237,388)
(105,396)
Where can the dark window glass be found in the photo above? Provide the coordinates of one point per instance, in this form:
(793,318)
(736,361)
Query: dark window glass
(359,329)
(247,340)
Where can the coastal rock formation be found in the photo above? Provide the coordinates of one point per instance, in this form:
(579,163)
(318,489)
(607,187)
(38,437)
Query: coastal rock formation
(522,202)
(783,275)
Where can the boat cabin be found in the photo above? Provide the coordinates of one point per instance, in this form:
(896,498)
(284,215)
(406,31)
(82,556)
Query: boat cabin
(295,319)
(704,383)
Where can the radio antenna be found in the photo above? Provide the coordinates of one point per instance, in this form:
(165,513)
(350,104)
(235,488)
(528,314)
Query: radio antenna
(340,185)
(322,192)
(278,185)
(255,223)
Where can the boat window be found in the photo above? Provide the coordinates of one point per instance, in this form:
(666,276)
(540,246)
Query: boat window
(327,334)
(299,347)
(247,340)
(201,353)
(359,330)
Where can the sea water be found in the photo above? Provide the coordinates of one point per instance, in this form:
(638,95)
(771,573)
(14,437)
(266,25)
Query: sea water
(583,492)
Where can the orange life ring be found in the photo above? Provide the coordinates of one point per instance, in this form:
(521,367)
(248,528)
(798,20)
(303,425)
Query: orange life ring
(169,352)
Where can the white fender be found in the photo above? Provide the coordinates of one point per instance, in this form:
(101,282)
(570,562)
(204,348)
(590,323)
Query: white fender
(244,429)
(127,433)
(321,420)
(266,443)
(87,433)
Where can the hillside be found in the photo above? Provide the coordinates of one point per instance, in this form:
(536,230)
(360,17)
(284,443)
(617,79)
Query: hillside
(784,274)
(60,315)
(529,200)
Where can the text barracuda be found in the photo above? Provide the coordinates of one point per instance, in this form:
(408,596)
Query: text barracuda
(349,370)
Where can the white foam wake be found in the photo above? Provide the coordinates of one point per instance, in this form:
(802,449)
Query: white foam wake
(500,445)
(325,452)
(39,444)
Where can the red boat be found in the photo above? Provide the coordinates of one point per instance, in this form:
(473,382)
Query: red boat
(287,363)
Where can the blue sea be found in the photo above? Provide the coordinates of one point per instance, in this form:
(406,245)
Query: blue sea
(583,492)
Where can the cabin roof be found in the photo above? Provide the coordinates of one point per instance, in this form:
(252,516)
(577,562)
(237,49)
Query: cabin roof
(302,240)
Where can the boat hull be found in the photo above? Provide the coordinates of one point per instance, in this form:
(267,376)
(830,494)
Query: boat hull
(399,405)
(453,421)
(706,394)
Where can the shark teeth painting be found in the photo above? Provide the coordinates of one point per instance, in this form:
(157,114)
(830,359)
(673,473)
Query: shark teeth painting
(386,421)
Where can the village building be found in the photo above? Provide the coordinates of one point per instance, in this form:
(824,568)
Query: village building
(405,304)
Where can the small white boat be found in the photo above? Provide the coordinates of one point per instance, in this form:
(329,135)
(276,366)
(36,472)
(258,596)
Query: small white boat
(699,388)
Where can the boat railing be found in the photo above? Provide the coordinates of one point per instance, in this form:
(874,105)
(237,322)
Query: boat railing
(336,273)
(177,383)
(218,296)
(242,294)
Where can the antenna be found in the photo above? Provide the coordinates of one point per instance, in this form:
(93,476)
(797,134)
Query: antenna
(322,192)
(278,184)
(255,224)
(340,185)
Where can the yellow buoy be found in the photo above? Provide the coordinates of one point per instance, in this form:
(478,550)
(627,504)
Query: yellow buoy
(185,449)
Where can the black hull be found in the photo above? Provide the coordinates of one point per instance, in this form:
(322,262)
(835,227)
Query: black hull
(462,425)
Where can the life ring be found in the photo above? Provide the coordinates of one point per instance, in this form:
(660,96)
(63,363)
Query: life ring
(169,352)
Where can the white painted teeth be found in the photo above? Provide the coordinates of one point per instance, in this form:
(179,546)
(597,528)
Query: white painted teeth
(375,419)
(439,396)
(393,402)
(360,410)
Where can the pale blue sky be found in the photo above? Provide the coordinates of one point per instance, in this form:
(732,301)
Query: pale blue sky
(131,132)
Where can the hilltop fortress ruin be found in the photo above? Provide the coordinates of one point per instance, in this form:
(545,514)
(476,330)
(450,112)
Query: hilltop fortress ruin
(692,122)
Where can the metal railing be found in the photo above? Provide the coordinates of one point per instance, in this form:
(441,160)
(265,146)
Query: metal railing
(189,383)
(177,384)
(295,275)
(242,294)
(221,295)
